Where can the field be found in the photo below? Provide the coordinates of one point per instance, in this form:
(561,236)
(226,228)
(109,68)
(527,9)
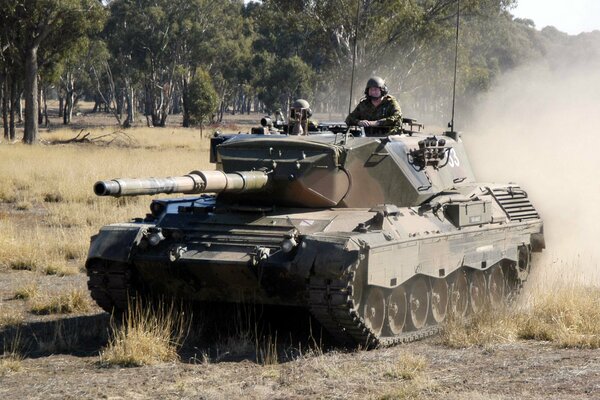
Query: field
(58,344)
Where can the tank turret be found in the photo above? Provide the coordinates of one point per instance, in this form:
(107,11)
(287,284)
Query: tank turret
(380,238)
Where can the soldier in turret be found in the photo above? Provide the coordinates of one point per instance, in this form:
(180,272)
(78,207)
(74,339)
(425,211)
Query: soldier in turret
(378,111)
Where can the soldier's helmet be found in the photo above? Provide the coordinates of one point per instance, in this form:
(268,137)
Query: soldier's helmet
(301,104)
(376,81)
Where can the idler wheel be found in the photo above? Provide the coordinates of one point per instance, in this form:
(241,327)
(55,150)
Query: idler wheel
(524,258)
(418,302)
(439,300)
(374,310)
(397,310)
(359,282)
(477,291)
(459,294)
(496,287)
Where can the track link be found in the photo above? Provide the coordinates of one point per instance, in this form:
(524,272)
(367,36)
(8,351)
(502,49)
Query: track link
(331,304)
(110,284)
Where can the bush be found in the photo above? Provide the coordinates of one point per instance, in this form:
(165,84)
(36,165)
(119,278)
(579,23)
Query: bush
(200,99)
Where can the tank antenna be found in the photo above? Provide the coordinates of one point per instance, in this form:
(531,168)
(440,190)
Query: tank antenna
(451,124)
(354,56)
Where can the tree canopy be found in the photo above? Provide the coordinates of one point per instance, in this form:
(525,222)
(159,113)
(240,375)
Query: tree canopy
(143,57)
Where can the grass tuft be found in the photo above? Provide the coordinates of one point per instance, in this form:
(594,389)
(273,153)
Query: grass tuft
(148,335)
(11,360)
(485,328)
(10,317)
(53,198)
(60,270)
(23,205)
(568,317)
(266,350)
(26,292)
(408,368)
(65,303)
(22,265)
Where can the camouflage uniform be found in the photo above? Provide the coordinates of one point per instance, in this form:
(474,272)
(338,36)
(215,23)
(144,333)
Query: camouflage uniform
(387,113)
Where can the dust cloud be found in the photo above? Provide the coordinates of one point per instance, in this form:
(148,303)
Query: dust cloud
(540,127)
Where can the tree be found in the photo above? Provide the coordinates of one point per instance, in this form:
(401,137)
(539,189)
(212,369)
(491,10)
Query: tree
(51,27)
(200,99)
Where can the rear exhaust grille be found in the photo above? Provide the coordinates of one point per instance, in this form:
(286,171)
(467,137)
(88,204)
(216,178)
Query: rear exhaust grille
(515,203)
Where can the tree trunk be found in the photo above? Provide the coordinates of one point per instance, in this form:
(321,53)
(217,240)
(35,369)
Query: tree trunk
(61,105)
(31,91)
(120,102)
(148,108)
(19,105)
(45,97)
(70,98)
(130,100)
(13,102)
(185,98)
(40,108)
(5,92)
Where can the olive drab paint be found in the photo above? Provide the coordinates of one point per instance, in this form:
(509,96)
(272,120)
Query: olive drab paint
(380,238)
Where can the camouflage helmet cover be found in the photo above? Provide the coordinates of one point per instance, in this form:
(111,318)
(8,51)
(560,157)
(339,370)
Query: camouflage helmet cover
(376,81)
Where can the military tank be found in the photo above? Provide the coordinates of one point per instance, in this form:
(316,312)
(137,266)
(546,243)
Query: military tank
(381,237)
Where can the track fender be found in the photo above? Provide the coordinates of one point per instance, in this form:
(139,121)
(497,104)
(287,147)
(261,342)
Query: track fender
(115,242)
(325,256)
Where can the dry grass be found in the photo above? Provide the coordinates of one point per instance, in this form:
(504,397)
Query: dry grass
(266,349)
(60,269)
(148,335)
(26,292)
(408,367)
(10,317)
(386,374)
(568,317)
(486,328)
(74,301)
(50,210)
(11,359)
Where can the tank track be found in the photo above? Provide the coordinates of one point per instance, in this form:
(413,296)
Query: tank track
(110,285)
(330,304)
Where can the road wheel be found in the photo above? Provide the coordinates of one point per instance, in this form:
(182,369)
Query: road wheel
(439,299)
(477,291)
(374,310)
(459,294)
(397,309)
(418,302)
(496,287)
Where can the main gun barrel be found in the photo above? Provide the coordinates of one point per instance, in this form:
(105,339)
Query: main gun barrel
(194,182)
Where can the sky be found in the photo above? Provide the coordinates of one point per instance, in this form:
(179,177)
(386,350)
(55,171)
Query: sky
(570,16)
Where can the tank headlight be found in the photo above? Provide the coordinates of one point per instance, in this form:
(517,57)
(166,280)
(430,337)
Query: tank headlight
(288,245)
(155,238)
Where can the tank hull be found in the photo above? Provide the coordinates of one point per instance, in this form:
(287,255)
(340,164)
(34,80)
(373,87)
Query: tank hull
(369,276)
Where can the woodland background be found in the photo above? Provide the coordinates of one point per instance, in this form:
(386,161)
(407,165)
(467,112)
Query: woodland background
(144,60)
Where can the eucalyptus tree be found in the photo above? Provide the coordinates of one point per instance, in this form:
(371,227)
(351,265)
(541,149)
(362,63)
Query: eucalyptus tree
(162,42)
(410,43)
(52,27)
